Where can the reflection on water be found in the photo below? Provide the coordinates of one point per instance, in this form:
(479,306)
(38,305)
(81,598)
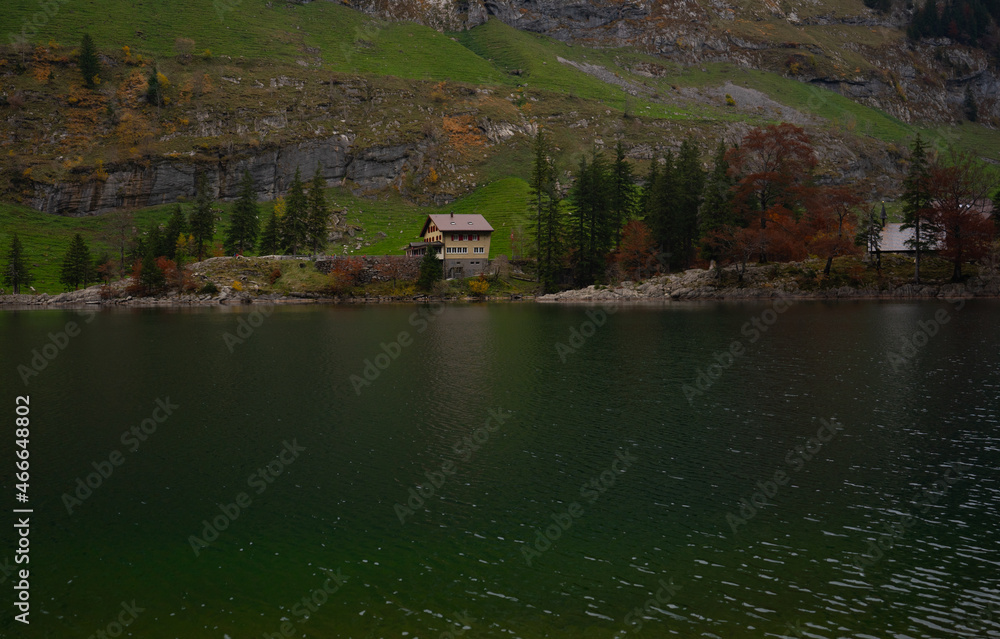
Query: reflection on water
(409,510)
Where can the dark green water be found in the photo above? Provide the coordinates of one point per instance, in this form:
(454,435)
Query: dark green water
(794,567)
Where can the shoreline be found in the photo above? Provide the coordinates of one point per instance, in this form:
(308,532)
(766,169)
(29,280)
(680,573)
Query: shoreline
(695,285)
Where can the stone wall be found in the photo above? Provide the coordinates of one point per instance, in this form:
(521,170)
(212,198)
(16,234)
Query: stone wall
(376,268)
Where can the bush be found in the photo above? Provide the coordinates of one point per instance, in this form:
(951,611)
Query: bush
(479,286)
(275,275)
(208,289)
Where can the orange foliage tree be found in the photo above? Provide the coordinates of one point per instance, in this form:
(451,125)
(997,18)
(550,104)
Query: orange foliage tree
(960,190)
(832,221)
(773,166)
(636,252)
(345,274)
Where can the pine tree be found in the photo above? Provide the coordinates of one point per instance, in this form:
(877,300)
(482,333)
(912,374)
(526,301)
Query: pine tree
(77,267)
(431,270)
(15,272)
(591,233)
(716,209)
(90,66)
(661,210)
(690,187)
(319,214)
(244,223)
(176,227)
(294,226)
(151,277)
(271,237)
(551,243)
(202,220)
(648,188)
(917,209)
(623,193)
(154,92)
(154,240)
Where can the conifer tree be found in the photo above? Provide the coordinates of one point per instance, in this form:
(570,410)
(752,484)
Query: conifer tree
(16,273)
(90,66)
(151,277)
(176,226)
(917,209)
(716,210)
(319,214)
(154,92)
(202,220)
(270,238)
(690,179)
(294,226)
(623,193)
(77,267)
(244,224)
(431,270)
(591,233)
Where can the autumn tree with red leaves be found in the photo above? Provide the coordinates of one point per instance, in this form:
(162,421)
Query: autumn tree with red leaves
(773,167)
(832,218)
(960,190)
(636,253)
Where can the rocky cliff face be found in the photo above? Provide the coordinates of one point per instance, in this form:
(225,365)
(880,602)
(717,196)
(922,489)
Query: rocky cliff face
(164,180)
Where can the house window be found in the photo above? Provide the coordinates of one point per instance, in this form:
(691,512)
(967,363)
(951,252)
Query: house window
(479,249)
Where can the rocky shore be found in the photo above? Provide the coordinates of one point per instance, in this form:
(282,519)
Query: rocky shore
(760,283)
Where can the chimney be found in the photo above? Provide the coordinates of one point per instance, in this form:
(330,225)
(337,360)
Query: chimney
(453,214)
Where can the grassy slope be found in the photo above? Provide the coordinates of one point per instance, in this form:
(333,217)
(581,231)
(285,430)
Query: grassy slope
(344,39)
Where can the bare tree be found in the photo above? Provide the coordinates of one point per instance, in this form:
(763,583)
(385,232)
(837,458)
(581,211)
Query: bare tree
(120,234)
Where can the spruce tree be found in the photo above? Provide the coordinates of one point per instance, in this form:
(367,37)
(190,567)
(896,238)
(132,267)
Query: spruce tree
(295,225)
(16,273)
(176,226)
(154,240)
(917,209)
(551,243)
(90,66)
(661,211)
(431,270)
(244,223)
(690,188)
(202,220)
(270,237)
(319,214)
(623,193)
(591,233)
(77,267)
(154,92)
(151,277)
(716,210)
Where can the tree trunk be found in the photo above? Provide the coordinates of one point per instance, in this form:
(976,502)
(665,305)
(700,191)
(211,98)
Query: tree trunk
(829,263)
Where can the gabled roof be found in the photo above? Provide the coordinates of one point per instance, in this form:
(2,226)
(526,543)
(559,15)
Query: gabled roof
(894,239)
(447,222)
